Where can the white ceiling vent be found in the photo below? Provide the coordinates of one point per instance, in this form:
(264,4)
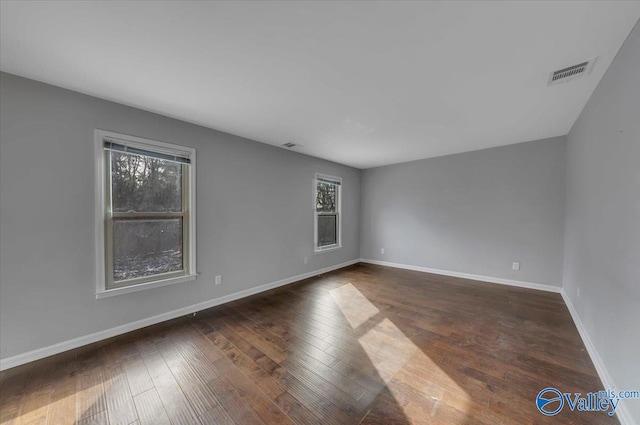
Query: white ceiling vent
(571,72)
(289,145)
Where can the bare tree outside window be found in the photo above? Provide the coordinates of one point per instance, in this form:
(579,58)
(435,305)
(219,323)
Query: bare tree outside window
(146,199)
(144,184)
(325,197)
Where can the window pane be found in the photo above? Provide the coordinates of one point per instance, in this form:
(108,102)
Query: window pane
(326,199)
(144,184)
(327,226)
(146,247)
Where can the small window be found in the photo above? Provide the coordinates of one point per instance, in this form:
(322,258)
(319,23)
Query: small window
(327,213)
(147,212)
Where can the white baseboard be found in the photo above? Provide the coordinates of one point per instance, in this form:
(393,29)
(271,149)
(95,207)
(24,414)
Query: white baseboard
(51,350)
(607,381)
(521,284)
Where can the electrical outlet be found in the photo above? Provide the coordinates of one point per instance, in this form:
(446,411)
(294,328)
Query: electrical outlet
(578,292)
(218,280)
(306,260)
(515,266)
(381,250)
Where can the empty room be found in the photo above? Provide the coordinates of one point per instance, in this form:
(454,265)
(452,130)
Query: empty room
(319,212)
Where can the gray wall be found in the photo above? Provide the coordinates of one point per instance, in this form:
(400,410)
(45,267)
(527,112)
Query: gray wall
(475,212)
(254,214)
(602,241)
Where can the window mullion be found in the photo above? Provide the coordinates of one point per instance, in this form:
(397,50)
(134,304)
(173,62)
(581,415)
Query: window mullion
(147,215)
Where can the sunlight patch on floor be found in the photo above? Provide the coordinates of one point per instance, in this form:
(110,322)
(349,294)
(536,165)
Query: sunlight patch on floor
(355,306)
(415,380)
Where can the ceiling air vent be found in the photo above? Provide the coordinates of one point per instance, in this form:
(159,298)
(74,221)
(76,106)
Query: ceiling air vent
(571,72)
(289,145)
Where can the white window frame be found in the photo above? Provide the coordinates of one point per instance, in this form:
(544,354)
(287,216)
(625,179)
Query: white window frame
(338,245)
(102,214)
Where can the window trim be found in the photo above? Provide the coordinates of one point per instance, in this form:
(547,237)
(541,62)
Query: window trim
(189,216)
(338,245)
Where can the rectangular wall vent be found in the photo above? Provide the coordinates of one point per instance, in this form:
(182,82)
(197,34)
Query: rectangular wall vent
(571,72)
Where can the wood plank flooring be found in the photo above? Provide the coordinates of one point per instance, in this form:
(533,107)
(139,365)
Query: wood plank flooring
(361,345)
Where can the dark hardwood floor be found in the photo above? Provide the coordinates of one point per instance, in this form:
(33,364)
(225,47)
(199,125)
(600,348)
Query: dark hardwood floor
(364,344)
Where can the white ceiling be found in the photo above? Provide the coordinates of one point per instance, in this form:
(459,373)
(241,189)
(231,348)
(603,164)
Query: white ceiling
(360,83)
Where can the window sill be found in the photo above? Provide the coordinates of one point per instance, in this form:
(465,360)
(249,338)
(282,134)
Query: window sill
(144,286)
(327,249)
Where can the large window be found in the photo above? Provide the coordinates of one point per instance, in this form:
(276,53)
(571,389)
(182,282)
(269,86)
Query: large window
(147,213)
(327,213)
